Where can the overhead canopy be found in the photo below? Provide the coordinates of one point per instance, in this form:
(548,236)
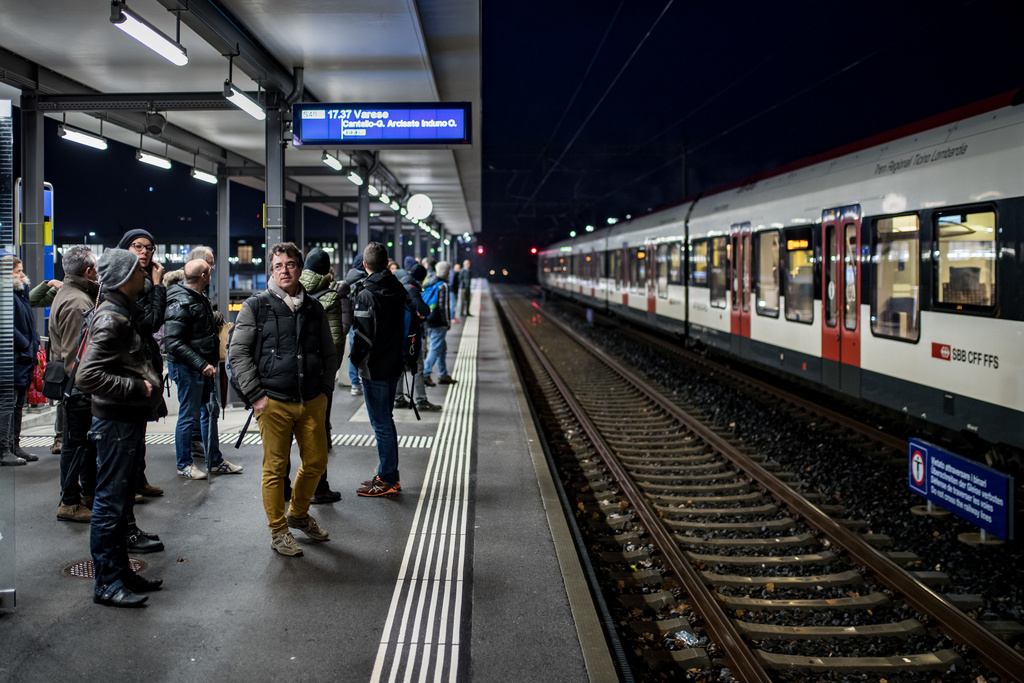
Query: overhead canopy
(349,51)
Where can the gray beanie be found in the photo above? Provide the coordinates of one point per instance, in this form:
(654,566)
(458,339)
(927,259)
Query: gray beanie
(442,269)
(115,266)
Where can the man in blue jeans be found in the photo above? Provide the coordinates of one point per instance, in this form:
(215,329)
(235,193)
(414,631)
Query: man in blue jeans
(379,325)
(438,323)
(119,371)
(193,352)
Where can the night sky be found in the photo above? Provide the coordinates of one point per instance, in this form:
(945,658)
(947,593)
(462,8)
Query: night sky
(592,108)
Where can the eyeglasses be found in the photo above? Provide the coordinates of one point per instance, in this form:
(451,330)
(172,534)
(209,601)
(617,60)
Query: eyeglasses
(290,265)
(139,246)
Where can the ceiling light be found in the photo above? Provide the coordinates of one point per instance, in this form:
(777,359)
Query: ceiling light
(144,32)
(152,159)
(394,206)
(385,198)
(331,161)
(243,101)
(81,137)
(403,211)
(419,206)
(204,176)
(355,178)
(372,190)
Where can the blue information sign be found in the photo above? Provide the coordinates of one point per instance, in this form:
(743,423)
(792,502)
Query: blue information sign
(409,124)
(979,494)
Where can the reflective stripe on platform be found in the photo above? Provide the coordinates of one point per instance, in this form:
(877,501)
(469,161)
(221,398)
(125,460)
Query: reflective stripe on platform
(421,636)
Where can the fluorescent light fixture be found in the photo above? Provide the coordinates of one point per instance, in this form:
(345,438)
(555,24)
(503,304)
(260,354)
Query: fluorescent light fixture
(331,161)
(403,211)
(204,176)
(152,159)
(243,101)
(144,32)
(372,190)
(419,206)
(590,228)
(355,178)
(81,137)
(394,207)
(384,198)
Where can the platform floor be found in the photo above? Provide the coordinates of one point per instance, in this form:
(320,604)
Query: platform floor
(457,579)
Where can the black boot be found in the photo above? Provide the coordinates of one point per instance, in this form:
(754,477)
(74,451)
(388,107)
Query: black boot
(324,494)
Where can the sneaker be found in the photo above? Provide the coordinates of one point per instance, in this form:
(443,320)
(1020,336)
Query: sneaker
(428,407)
(377,487)
(25,455)
(74,513)
(455,321)
(308,526)
(356,391)
(191,472)
(429,381)
(148,489)
(8,458)
(285,544)
(398,484)
(226,468)
(139,498)
(447,379)
(56,447)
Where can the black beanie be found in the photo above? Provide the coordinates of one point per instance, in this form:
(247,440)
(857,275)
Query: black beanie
(318,261)
(130,236)
(418,272)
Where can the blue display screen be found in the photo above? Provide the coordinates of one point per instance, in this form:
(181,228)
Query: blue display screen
(362,125)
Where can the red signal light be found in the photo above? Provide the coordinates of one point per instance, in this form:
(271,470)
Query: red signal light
(533,250)
(479,250)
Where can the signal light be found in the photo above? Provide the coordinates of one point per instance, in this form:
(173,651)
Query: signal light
(479,250)
(533,250)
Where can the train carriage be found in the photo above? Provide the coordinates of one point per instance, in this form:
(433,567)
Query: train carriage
(888,271)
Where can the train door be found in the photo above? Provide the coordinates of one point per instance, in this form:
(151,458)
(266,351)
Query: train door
(624,274)
(651,259)
(740,282)
(840,299)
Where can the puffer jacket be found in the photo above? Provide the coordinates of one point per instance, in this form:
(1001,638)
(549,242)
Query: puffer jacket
(76,297)
(314,283)
(296,360)
(380,327)
(26,338)
(190,329)
(117,359)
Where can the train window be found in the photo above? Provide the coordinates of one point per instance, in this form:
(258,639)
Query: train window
(663,271)
(718,271)
(675,263)
(615,268)
(850,265)
(699,264)
(895,299)
(967,260)
(640,281)
(766,260)
(832,282)
(798,285)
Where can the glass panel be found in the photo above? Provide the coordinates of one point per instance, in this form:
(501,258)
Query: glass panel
(663,271)
(719,275)
(745,279)
(850,276)
(675,263)
(895,299)
(799,284)
(7,400)
(737,266)
(831,277)
(767,255)
(967,260)
(699,264)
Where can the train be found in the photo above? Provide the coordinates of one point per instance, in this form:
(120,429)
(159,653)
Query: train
(889,271)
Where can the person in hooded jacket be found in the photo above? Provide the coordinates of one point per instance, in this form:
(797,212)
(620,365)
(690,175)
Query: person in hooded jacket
(26,346)
(413,285)
(355,277)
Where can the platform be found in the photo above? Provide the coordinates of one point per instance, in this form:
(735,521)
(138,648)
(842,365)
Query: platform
(459,578)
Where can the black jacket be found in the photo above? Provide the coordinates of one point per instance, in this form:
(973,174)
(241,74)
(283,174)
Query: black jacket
(290,356)
(190,328)
(117,358)
(26,339)
(379,327)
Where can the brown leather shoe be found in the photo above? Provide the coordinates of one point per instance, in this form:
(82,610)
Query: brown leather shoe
(429,381)
(149,490)
(447,379)
(55,448)
(74,513)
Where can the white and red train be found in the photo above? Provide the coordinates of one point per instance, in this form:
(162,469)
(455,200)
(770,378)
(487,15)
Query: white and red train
(890,271)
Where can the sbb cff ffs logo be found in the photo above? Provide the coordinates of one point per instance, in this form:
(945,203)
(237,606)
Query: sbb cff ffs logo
(952,353)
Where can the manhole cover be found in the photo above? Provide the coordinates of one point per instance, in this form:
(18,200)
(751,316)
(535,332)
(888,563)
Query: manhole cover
(86,570)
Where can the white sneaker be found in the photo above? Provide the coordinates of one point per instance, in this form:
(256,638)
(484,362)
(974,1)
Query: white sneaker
(191,472)
(286,544)
(226,468)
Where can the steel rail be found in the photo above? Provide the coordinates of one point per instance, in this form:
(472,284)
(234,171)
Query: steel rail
(998,656)
(738,656)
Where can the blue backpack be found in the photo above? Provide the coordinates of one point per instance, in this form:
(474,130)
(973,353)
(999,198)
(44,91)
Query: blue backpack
(431,297)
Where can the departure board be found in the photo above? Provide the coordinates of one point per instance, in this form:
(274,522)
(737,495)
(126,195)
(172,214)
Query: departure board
(392,124)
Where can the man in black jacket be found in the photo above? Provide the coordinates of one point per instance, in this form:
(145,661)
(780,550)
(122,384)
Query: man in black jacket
(379,325)
(119,371)
(283,357)
(193,350)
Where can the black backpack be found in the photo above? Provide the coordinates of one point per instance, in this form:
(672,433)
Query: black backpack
(413,336)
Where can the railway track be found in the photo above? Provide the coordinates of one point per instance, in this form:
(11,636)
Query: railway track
(764,566)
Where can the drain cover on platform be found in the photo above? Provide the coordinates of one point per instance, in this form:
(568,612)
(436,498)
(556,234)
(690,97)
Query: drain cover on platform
(86,570)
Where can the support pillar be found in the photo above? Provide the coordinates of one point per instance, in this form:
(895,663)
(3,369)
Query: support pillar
(33,237)
(273,208)
(300,223)
(416,241)
(399,250)
(364,214)
(223,252)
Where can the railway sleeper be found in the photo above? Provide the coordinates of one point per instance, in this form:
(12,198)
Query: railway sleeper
(644,577)
(850,577)
(766,509)
(900,629)
(672,465)
(699,500)
(692,658)
(647,485)
(762,560)
(775,525)
(869,601)
(932,579)
(932,661)
(672,458)
(775,542)
(649,601)
(727,477)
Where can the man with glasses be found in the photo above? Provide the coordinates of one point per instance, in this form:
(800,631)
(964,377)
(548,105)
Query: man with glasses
(283,357)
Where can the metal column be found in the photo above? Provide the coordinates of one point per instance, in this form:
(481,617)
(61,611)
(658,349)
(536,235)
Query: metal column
(399,250)
(32,228)
(363,228)
(223,252)
(273,209)
(416,240)
(300,223)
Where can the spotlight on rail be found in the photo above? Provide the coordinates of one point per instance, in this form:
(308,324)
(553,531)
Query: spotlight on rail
(155,123)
